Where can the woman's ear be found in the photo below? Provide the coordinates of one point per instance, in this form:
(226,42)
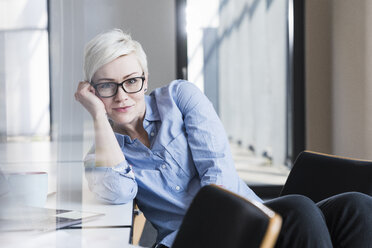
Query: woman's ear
(145,84)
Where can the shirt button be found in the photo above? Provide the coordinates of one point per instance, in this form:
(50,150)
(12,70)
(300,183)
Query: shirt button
(178,187)
(152,133)
(163,166)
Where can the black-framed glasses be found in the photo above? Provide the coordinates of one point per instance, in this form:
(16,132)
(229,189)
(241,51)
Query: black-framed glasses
(110,89)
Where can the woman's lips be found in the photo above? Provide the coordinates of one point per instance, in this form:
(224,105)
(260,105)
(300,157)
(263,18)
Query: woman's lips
(123,109)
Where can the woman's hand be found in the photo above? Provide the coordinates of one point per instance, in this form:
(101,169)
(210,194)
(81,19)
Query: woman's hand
(85,94)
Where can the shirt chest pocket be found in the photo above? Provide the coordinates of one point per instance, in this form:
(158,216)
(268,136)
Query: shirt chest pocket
(178,155)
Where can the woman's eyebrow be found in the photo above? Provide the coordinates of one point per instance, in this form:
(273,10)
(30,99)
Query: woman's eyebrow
(129,75)
(106,79)
(113,80)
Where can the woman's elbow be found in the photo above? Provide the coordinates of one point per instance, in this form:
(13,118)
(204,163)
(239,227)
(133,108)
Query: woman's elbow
(123,196)
(115,194)
(111,187)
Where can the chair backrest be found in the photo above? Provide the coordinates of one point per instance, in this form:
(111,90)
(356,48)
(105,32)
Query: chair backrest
(219,218)
(319,176)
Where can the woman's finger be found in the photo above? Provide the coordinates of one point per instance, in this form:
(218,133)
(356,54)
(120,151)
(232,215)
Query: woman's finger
(83,84)
(92,89)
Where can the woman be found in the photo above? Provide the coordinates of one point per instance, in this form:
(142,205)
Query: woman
(162,148)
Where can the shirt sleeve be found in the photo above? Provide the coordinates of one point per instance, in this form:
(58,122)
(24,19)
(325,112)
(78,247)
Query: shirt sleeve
(116,185)
(206,137)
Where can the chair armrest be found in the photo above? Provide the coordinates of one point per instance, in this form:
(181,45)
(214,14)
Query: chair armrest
(139,221)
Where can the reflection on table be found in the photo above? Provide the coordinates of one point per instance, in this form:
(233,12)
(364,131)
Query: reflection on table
(68,190)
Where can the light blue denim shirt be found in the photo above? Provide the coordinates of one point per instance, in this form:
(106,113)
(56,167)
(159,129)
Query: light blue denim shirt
(189,149)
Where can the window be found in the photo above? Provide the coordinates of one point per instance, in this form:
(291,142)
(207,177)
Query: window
(238,54)
(24,69)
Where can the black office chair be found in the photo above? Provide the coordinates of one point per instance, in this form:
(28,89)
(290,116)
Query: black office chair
(219,218)
(319,176)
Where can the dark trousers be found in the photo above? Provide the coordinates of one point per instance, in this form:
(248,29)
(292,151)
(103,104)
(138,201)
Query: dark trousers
(344,220)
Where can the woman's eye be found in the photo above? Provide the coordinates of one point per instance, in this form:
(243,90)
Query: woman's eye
(132,81)
(107,85)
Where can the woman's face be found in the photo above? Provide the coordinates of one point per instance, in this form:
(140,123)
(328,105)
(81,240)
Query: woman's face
(123,108)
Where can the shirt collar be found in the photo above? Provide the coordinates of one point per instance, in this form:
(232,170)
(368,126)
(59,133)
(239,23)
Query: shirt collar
(152,113)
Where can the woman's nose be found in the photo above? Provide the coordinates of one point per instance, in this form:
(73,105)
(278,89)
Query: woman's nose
(121,95)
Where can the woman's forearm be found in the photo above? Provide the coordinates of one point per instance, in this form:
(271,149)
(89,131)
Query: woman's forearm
(108,152)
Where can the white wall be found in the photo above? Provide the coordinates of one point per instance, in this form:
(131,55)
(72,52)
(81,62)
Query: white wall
(75,22)
(152,23)
(66,45)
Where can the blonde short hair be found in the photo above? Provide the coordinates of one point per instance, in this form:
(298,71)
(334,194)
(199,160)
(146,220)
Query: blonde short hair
(107,47)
